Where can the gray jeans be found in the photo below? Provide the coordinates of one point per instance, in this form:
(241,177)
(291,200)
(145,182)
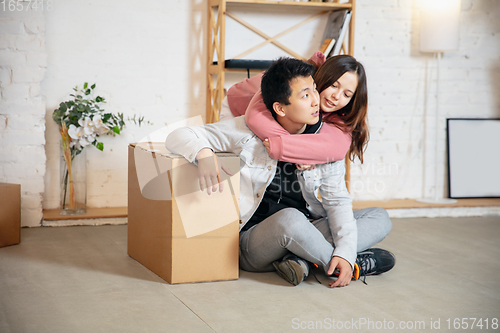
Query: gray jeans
(290,231)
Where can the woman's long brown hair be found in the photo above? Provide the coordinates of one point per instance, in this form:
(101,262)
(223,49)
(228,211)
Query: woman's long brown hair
(353,116)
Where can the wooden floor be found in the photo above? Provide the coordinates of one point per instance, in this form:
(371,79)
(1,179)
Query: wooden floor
(113,212)
(81,279)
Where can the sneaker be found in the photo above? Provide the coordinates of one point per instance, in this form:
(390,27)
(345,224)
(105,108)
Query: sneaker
(292,268)
(373,262)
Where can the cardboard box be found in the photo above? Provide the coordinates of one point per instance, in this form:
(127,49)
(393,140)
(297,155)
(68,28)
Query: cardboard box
(174,229)
(10,214)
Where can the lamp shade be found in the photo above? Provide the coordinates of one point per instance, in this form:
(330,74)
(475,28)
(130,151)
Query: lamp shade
(439,25)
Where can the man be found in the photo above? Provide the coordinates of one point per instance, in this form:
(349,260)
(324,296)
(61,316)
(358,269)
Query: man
(283,224)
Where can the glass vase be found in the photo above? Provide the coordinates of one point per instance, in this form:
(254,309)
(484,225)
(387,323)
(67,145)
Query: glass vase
(74,184)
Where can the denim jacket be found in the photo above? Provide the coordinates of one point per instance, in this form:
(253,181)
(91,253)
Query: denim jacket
(257,171)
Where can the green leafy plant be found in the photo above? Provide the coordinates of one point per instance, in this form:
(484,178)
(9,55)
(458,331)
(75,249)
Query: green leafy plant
(83,119)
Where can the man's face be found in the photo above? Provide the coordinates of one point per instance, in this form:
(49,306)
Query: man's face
(304,102)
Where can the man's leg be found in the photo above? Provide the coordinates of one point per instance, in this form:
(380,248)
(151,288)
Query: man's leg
(373,225)
(285,231)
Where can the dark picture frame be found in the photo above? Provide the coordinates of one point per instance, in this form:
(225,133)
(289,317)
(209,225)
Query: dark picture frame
(473,149)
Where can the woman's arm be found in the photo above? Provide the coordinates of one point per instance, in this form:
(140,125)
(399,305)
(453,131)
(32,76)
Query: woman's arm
(260,120)
(330,144)
(240,94)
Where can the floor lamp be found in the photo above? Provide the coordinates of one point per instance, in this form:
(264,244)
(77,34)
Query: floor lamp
(439,32)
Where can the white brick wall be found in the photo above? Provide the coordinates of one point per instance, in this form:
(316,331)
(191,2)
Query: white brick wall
(22,107)
(145,61)
(150,60)
(402,91)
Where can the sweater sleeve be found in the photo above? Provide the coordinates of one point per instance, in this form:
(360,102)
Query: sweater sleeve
(330,144)
(240,94)
(337,203)
(260,120)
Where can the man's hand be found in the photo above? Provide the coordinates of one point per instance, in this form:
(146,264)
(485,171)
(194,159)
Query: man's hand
(208,171)
(345,275)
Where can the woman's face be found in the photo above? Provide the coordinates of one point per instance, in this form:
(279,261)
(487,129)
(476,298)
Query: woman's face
(339,94)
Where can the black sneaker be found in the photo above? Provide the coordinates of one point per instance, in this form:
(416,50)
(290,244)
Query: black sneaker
(292,268)
(373,262)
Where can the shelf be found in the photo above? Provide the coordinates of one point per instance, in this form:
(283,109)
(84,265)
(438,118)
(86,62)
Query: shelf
(213,69)
(412,203)
(92,213)
(280,4)
(119,212)
(216,24)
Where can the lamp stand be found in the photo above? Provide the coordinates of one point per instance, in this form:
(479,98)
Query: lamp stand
(437,199)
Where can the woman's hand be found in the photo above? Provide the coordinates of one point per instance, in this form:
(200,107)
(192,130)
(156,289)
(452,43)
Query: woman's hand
(303,167)
(318,58)
(267,145)
(345,272)
(208,171)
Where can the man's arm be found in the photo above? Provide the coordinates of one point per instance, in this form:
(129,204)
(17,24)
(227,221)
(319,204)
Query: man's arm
(337,202)
(219,137)
(198,143)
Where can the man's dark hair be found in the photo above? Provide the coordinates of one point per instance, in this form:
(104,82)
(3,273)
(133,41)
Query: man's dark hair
(275,84)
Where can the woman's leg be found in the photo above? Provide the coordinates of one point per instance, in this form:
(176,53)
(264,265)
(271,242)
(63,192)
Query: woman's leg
(285,231)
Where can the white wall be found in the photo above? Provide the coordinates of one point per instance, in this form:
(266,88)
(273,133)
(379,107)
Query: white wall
(145,59)
(400,159)
(148,58)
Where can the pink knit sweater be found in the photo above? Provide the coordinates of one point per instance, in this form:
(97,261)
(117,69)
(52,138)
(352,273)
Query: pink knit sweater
(330,144)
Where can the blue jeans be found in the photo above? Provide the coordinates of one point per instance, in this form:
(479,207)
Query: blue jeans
(290,231)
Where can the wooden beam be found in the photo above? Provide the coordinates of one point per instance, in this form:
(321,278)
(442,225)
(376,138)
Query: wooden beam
(351,28)
(263,35)
(273,39)
(291,4)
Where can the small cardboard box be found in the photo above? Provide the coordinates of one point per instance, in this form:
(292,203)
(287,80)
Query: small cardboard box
(10,214)
(175,230)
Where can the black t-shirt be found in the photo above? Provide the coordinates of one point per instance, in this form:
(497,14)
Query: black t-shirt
(284,190)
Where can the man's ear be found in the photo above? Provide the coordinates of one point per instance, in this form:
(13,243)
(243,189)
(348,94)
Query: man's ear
(278,108)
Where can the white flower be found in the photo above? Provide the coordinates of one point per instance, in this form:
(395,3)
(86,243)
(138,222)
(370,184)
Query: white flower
(76,144)
(84,142)
(100,127)
(75,132)
(91,138)
(98,120)
(87,124)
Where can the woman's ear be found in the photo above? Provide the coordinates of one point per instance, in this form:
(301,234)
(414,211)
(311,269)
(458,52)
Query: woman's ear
(278,108)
